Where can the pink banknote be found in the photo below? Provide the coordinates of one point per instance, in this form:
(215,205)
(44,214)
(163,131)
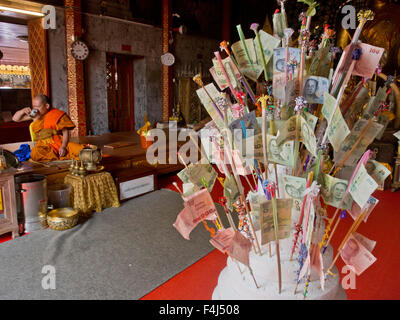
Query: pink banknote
(222,240)
(240,248)
(356,256)
(198,207)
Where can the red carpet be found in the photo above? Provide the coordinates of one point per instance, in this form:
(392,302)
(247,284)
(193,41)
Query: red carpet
(380,281)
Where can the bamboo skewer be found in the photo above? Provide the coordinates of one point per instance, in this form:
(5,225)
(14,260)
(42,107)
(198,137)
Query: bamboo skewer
(348,154)
(276,229)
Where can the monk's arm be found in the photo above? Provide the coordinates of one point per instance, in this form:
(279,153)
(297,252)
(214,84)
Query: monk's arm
(65,139)
(22,115)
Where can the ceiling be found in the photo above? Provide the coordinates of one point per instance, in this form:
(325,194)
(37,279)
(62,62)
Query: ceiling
(14,50)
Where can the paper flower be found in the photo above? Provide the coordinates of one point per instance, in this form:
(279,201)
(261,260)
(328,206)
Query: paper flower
(301,103)
(288,33)
(197,79)
(365,15)
(224,47)
(254,27)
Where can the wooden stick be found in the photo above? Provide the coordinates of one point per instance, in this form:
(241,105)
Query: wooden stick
(276,229)
(348,154)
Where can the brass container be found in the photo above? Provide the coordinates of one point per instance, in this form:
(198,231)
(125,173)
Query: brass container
(43,219)
(90,156)
(62,218)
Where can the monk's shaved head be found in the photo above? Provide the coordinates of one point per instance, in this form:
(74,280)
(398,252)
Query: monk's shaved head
(43,98)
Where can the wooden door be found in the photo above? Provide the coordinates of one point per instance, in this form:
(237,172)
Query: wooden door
(120,93)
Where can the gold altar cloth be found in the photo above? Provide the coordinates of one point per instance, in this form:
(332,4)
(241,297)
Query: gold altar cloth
(93,192)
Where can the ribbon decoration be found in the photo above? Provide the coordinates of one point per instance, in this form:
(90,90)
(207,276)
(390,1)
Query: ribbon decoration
(310,194)
(301,104)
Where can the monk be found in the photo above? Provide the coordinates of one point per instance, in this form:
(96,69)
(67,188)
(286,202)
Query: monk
(51,130)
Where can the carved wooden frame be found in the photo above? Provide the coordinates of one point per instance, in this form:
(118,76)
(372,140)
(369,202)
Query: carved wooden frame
(10,221)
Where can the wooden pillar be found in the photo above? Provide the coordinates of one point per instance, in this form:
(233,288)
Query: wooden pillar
(167,72)
(38,62)
(226,20)
(75,76)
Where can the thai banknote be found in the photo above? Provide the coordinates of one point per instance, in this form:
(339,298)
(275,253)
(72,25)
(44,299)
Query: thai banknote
(314,89)
(356,256)
(219,77)
(252,148)
(369,60)
(268,43)
(321,62)
(367,243)
(333,190)
(368,207)
(306,135)
(240,248)
(362,186)
(222,240)
(201,206)
(284,212)
(279,60)
(198,207)
(351,139)
(374,103)
(294,186)
(243,62)
(311,119)
(255,198)
(337,127)
(361,99)
(199,174)
(208,104)
(377,171)
(231,191)
(282,154)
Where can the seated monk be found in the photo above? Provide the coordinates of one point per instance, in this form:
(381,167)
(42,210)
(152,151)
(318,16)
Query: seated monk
(51,128)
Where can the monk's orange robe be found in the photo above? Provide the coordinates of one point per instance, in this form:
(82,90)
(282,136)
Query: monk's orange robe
(48,132)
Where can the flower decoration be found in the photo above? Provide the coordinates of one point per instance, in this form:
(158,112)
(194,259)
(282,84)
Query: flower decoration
(301,103)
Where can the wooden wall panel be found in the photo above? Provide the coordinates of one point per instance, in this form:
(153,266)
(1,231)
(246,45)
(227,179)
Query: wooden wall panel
(75,73)
(38,61)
